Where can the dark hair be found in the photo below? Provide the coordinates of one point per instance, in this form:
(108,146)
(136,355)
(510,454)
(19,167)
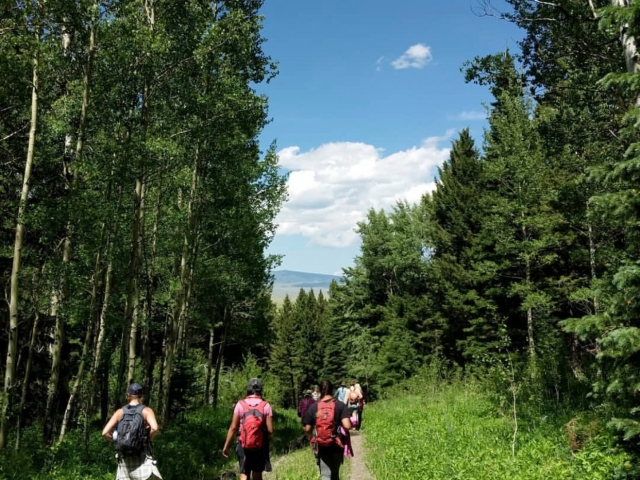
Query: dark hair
(326,388)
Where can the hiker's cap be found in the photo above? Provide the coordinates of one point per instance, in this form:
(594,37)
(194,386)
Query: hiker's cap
(135,389)
(343,383)
(255,384)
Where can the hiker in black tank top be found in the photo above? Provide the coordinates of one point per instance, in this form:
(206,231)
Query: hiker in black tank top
(141,465)
(329,457)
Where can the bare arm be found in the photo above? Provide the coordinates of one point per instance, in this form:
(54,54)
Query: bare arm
(111,424)
(270,426)
(308,430)
(233,429)
(150,417)
(346,423)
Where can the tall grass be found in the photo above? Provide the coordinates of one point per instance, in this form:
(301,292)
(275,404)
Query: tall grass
(453,431)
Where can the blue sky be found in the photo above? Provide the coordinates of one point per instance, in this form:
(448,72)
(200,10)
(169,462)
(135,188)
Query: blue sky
(368,99)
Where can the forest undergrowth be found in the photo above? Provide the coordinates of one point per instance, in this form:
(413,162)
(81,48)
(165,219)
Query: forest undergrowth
(189,448)
(456,430)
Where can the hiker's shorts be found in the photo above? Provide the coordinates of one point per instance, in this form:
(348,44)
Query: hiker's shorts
(137,468)
(253,461)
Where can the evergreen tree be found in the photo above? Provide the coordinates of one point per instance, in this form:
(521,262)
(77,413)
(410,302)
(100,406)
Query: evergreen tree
(282,353)
(457,219)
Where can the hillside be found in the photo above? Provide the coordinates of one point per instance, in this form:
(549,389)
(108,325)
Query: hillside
(288,282)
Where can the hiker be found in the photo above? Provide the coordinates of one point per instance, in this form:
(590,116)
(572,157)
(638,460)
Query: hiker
(316,393)
(253,421)
(361,404)
(352,400)
(341,392)
(321,424)
(132,428)
(305,403)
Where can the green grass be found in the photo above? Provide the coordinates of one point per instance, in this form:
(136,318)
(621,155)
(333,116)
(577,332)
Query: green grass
(455,433)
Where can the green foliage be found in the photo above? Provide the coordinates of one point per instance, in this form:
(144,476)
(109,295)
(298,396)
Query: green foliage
(191,447)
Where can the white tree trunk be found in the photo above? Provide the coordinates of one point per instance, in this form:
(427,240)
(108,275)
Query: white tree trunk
(12,347)
(628,44)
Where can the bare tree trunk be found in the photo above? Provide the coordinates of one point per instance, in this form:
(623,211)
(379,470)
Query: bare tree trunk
(223,344)
(628,40)
(87,340)
(184,314)
(74,389)
(175,323)
(147,359)
(207,383)
(27,373)
(86,88)
(99,344)
(592,263)
(169,353)
(134,334)
(133,271)
(530,325)
(12,347)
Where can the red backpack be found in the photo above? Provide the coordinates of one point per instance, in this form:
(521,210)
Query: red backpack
(252,426)
(326,428)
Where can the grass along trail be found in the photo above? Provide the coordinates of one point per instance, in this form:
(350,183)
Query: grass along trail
(453,432)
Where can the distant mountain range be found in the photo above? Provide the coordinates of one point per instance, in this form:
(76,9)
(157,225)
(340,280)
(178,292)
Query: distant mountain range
(289,283)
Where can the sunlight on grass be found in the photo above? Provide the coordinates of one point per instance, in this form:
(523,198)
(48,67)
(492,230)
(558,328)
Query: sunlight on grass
(456,434)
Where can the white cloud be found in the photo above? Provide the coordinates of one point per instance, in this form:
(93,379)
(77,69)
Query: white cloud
(416,56)
(470,116)
(379,63)
(332,187)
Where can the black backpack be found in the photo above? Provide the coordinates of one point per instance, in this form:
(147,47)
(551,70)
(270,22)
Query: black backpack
(132,436)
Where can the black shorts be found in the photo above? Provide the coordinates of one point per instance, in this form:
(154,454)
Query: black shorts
(253,461)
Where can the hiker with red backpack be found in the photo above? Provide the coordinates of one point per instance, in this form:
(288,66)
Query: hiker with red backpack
(322,423)
(131,429)
(253,421)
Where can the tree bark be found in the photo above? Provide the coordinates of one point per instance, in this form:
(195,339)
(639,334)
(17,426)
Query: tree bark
(86,88)
(134,334)
(175,324)
(147,357)
(98,360)
(629,45)
(27,374)
(592,264)
(207,383)
(223,344)
(12,347)
(133,271)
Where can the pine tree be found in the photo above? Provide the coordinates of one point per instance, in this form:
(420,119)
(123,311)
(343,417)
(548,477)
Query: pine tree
(457,217)
(519,234)
(281,354)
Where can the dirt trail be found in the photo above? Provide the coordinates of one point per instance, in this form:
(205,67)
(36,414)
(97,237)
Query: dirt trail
(359,470)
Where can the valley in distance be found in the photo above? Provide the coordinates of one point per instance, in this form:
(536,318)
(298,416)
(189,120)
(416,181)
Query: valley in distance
(288,282)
